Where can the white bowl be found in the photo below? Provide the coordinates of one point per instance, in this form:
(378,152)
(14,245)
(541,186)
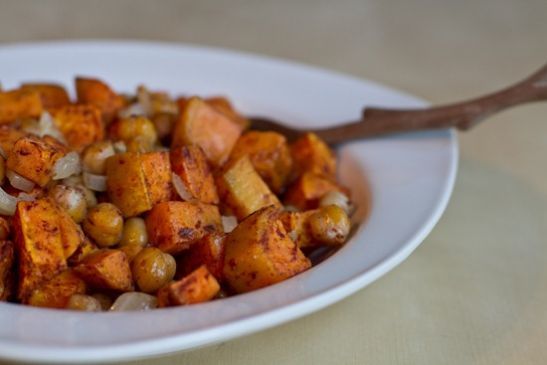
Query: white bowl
(409,178)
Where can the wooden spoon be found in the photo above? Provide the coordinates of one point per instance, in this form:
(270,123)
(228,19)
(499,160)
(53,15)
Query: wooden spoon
(463,115)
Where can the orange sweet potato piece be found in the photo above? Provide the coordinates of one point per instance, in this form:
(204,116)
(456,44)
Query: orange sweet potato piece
(297,228)
(86,247)
(311,154)
(242,189)
(52,95)
(38,243)
(34,158)
(208,251)
(157,174)
(306,191)
(203,125)
(96,92)
(17,104)
(106,269)
(81,124)
(197,287)
(270,155)
(126,184)
(135,182)
(8,137)
(190,164)
(71,234)
(224,106)
(56,292)
(7,257)
(174,226)
(258,253)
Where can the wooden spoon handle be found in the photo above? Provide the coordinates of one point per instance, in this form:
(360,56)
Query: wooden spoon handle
(463,115)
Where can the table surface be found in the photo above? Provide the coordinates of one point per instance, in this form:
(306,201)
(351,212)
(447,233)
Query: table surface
(475,291)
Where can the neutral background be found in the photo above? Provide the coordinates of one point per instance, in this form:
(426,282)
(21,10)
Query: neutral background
(475,292)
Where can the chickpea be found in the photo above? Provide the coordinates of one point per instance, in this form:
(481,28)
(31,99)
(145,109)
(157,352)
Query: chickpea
(152,268)
(4,229)
(131,251)
(94,157)
(330,225)
(139,144)
(104,224)
(134,237)
(71,199)
(127,129)
(77,182)
(83,302)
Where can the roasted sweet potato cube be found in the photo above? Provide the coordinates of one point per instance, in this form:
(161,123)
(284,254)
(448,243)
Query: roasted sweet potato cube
(17,104)
(81,124)
(202,125)
(71,233)
(157,174)
(297,227)
(242,189)
(258,253)
(306,191)
(96,92)
(56,292)
(126,184)
(198,286)
(39,244)
(224,106)
(190,164)
(135,182)
(174,226)
(52,95)
(162,296)
(270,155)
(86,247)
(8,137)
(34,158)
(106,269)
(311,154)
(7,258)
(208,251)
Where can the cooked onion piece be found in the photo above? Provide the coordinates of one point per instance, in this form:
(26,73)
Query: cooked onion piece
(67,166)
(180,187)
(94,182)
(19,182)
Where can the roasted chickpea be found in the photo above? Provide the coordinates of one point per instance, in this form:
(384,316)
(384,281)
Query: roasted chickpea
(83,302)
(152,268)
(94,157)
(4,229)
(134,232)
(127,129)
(134,237)
(104,224)
(131,251)
(330,225)
(78,182)
(139,144)
(71,199)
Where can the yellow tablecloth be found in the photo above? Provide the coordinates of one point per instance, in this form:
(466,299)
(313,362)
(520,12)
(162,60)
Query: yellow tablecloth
(475,292)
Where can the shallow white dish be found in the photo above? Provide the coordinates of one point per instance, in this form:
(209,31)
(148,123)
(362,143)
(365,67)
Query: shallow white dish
(410,180)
